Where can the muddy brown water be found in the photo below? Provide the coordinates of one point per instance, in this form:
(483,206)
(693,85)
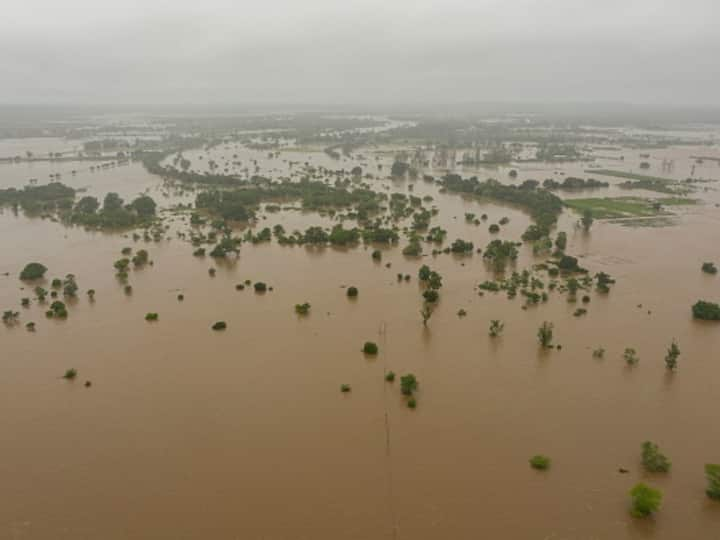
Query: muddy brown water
(190,433)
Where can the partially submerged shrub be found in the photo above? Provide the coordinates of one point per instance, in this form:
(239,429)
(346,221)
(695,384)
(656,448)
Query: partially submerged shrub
(70,374)
(32,271)
(712,473)
(370,348)
(345,388)
(390,376)
(408,384)
(652,459)
(630,356)
(545,334)
(540,462)
(645,500)
(706,311)
(260,286)
(151,317)
(352,292)
(671,358)
(302,309)
(496,327)
(220,325)
(709,268)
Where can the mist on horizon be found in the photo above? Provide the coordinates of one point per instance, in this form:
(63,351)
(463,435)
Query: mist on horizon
(409,53)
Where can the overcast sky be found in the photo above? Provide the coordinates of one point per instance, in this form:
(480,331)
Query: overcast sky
(359,51)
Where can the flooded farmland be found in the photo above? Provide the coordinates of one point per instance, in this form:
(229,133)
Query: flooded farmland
(186,432)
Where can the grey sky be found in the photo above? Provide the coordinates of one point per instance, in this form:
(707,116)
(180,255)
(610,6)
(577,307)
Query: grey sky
(370,51)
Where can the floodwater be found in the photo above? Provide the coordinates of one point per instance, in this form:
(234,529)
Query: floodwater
(187,433)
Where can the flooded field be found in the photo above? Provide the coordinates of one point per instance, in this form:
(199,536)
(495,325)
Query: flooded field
(244,434)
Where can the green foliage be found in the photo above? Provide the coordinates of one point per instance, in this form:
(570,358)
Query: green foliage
(630,356)
(32,271)
(260,287)
(413,249)
(412,403)
(141,258)
(352,292)
(87,205)
(57,309)
(544,207)
(587,219)
(370,348)
(144,206)
(377,255)
(709,268)
(10,317)
(390,376)
(408,384)
(540,462)
(545,334)
(151,317)
(36,199)
(431,296)
(461,246)
(226,245)
(561,241)
(496,327)
(302,309)
(499,253)
(712,473)
(671,358)
(70,374)
(706,311)
(645,500)
(424,273)
(345,388)
(598,353)
(399,169)
(219,325)
(652,459)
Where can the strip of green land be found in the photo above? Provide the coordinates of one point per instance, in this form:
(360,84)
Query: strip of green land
(628,175)
(625,207)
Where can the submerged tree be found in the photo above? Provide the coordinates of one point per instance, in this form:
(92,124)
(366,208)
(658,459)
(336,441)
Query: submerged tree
(652,459)
(645,500)
(370,348)
(712,473)
(496,327)
(630,356)
(426,312)
(587,219)
(33,271)
(545,334)
(540,462)
(408,384)
(671,358)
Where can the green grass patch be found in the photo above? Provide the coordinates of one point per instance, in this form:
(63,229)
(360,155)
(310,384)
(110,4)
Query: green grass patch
(629,176)
(626,207)
(613,208)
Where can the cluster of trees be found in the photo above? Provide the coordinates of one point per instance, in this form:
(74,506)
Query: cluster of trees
(242,203)
(543,206)
(113,213)
(33,271)
(707,311)
(433,282)
(35,199)
(500,252)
